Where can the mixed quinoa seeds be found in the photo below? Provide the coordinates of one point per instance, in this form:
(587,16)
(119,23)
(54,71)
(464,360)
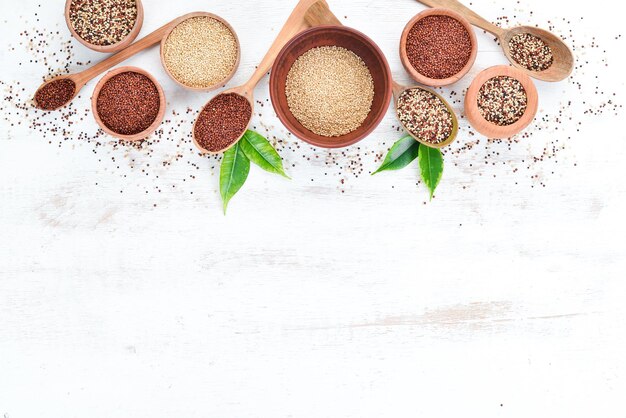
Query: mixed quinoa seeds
(222,122)
(55,94)
(438,46)
(330,91)
(145,164)
(425,116)
(531,52)
(200,52)
(502,100)
(103,22)
(128,103)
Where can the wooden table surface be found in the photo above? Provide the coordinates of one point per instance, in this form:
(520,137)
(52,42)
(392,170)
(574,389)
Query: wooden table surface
(125,292)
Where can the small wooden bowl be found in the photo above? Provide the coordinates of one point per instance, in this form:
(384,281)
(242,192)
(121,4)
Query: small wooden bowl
(140,135)
(436,82)
(487,128)
(108,48)
(352,40)
(213,16)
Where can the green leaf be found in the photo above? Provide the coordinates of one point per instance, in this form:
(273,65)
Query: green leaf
(431,167)
(401,154)
(233,173)
(262,153)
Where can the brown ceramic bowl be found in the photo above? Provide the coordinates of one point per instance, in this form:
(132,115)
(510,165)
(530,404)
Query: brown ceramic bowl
(350,39)
(140,135)
(492,130)
(108,48)
(437,82)
(219,19)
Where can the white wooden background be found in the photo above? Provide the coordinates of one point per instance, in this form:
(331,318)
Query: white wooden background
(504,297)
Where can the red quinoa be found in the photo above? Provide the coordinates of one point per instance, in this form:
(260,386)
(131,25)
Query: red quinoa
(128,103)
(222,121)
(55,94)
(438,46)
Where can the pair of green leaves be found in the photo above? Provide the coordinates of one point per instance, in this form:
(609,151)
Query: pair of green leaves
(236,163)
(407,149)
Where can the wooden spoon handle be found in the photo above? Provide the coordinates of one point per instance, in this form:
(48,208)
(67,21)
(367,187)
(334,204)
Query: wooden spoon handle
(319,14)
(146,42)
(469,14)
(397,89)
(292,27)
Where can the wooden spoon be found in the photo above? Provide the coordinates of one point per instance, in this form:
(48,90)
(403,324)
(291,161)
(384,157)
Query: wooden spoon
(307,13)
(560,69)
(398,89)
(82,78)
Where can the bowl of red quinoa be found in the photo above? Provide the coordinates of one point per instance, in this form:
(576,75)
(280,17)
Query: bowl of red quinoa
(501,102)
(104,25)
(312,74)
(438,47)
(128,103)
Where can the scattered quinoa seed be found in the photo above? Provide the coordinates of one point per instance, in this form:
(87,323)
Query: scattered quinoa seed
(128,103)
(55,94)
(438,46)
(222,122)
(103,22)
(330,91)
(531,52)
(502,100)
(145,165)
(200,52)
(425,116)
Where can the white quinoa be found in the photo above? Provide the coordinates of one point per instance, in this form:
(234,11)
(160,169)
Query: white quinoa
(200,52)
(330,91)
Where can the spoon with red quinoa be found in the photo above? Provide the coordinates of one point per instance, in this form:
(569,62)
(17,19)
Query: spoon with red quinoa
(541,54)
(59,91)
(223,121)
(425,115)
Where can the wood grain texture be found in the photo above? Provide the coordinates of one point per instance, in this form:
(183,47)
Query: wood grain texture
(330,295)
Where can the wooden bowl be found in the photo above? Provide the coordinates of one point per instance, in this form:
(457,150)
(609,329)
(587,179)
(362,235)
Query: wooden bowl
(437,82)
(108,48)
(140,135)
(181,19)
(352,40)
(492,130)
